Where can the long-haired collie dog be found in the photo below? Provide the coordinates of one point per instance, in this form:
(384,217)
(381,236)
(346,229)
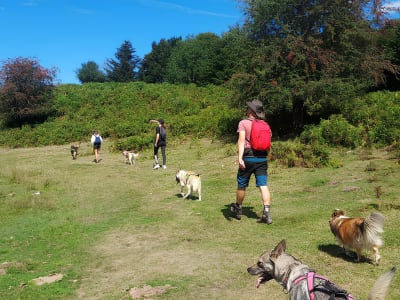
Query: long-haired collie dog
(358,233)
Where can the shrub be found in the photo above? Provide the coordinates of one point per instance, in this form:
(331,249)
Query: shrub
(296,154)
(336,131)
(379,115)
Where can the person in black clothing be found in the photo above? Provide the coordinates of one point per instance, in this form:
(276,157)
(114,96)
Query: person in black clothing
(160,142)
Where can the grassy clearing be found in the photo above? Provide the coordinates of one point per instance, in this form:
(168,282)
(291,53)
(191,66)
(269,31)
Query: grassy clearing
(110,227)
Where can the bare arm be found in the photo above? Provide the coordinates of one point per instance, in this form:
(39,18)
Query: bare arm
(241,141)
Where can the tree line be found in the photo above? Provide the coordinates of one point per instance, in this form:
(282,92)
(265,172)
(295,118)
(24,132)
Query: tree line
(305,60)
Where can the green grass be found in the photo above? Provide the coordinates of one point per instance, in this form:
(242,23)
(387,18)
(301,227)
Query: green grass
(109,227)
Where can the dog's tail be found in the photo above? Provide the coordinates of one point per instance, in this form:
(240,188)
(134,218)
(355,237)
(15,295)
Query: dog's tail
(373,228)
(381,286)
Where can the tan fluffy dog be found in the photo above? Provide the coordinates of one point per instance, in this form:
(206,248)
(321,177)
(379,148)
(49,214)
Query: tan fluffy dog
(358,233)
(191,180)
(130,157)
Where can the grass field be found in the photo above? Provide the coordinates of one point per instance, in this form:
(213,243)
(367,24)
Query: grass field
(111,227)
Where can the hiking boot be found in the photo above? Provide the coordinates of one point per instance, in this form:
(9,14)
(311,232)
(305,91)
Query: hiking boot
(266,217)
(156,166)
(236,210)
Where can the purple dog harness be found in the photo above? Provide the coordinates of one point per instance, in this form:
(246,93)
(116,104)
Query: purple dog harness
(319,283)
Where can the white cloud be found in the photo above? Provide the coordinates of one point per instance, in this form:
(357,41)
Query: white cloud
(82,11)
(31,3)
(392,6)
(184,9)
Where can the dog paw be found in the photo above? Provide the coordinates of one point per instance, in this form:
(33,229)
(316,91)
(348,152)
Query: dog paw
(377,259)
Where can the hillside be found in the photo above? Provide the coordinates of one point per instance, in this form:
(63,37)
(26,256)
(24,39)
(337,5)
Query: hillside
(121,111)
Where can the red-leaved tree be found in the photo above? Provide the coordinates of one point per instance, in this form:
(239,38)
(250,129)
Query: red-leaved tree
(25,91)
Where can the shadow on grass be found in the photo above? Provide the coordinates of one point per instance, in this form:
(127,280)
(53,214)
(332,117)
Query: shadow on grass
(193,197)
(246,211)
(337,251)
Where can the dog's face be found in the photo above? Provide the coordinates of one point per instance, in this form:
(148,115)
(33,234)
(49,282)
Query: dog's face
(336,214)
(74,151)
(265,265)
(180,176)
(129,154)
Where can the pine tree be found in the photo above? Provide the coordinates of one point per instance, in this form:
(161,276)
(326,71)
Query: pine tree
(123,68)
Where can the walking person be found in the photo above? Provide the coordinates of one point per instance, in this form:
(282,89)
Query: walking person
(96,141)
(160,142)
(252,162)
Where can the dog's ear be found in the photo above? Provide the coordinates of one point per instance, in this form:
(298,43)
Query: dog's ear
(279,249)
(337,212)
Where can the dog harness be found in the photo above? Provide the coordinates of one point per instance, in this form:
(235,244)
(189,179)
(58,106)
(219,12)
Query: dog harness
(319,283)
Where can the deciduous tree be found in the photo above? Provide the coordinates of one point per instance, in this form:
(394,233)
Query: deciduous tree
(196,60)
(90,72)
(25,91)
(154,64)
(310,55)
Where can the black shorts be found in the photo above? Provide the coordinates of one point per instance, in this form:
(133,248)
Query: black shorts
(254,165)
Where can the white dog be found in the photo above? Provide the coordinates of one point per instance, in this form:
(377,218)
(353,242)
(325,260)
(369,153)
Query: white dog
(191,180)
(130,157)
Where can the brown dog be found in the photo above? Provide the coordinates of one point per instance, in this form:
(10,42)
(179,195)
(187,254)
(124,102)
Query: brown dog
(358,233)
(74,151)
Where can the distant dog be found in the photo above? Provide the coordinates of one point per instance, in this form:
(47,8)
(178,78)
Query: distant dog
(130,157)
(74,151)
(191,181)
(302,283)
(358,233)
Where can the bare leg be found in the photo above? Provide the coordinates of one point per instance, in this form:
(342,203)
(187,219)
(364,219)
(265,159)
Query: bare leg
(240,194)
(265,195)
(96,153)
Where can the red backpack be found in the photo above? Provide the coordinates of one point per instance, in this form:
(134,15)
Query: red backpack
(260,136)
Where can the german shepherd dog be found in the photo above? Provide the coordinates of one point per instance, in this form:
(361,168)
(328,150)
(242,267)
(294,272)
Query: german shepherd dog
(358,233)
(130,157)
(304,284)
(190,180)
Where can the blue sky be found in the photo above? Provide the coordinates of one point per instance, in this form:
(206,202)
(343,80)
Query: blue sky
(66,33)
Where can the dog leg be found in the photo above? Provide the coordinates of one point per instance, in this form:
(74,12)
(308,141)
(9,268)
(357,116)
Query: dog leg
(199,192)
(348,253)
(377,255)
(182,192)
(359,254)
(188,194)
